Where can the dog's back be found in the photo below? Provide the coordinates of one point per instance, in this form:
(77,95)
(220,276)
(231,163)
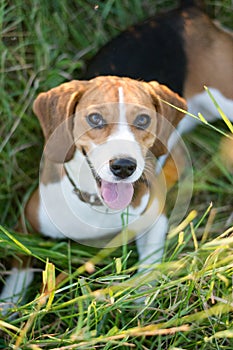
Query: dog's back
(182,49)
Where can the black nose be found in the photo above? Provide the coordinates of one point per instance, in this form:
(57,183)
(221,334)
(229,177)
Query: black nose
(123,167)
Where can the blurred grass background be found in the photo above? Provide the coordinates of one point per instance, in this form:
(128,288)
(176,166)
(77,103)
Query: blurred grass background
(44,43)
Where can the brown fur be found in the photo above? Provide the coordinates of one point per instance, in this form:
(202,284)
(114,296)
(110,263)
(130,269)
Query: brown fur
(58,106)
(31,210)
(54,108)
(210,56)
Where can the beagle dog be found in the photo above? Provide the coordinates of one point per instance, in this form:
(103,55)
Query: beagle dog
(103,134)
(98,165)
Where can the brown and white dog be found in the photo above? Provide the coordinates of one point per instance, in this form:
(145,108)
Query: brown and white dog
(100,134)
(101,139)
(98,137)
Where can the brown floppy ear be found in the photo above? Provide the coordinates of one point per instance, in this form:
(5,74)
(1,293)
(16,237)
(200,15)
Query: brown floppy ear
(168,117)
(55,110)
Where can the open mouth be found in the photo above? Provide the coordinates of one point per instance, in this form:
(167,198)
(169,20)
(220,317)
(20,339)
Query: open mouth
(116,195)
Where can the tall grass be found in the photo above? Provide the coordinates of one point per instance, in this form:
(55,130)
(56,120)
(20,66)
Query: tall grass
(190,307)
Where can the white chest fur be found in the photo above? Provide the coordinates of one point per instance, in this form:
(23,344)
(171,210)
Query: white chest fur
(62,213)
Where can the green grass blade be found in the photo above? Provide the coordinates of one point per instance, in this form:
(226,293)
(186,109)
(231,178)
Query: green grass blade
(219,109)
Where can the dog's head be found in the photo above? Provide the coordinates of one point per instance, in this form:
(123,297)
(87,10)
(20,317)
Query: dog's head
(114,122)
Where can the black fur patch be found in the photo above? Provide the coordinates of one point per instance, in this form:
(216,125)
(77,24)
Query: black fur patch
(152,50)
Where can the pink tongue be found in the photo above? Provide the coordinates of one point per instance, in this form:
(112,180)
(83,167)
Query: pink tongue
(117,195)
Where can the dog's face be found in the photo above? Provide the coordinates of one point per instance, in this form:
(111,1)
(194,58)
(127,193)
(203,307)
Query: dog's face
(114,122)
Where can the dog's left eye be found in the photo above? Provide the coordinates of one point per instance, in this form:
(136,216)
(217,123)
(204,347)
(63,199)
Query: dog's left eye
(95,120)
(142,121)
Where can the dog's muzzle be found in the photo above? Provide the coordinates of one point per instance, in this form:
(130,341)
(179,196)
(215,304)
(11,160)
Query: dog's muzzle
(119,194)
(116,195)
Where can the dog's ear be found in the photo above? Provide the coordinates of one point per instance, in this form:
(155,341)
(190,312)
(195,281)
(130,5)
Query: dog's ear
(55,110)
(168,116)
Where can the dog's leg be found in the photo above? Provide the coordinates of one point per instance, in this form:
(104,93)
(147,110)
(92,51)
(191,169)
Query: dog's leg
(151,244)
(202,103)
(14,287)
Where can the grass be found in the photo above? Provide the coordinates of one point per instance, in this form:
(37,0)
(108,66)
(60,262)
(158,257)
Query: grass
(44,44)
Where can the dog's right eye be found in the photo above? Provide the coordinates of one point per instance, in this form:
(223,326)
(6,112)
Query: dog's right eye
(95,120)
